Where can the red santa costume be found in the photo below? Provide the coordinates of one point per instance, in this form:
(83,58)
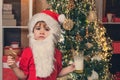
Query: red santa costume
(42,61)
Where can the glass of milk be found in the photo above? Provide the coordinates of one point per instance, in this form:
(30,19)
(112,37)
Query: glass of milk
(79,63)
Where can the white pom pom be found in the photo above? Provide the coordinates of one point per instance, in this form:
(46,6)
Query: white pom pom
(94,76)
(61,18)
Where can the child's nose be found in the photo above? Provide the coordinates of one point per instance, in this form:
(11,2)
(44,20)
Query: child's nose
(42,31)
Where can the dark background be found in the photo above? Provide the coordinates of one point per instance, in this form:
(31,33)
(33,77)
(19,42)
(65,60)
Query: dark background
(113,6)
(113,30)
(11,35)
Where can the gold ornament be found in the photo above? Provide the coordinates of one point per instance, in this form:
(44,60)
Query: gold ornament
(78,38)
(87,58)
(89,45)
(70,5)
(68,24)
(92,16)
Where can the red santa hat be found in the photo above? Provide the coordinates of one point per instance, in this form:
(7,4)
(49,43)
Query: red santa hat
(52,19)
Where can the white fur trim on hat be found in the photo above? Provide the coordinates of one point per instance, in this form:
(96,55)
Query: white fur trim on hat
(52,23)
(61,18)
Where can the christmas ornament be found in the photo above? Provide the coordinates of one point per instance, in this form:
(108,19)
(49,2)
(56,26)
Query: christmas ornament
(96,57)
(87,58)
(89,45)
(78,38)
(70,5)
(68,24)
(94,76)
(92,16)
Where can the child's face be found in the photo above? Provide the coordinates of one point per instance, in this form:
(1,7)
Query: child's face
(41,31)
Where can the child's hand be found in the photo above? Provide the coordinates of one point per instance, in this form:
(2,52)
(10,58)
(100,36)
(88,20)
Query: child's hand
(12,53)
(72,67)
(11,62)
(67,70)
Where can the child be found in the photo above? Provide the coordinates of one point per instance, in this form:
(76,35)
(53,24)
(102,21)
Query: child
(41,61)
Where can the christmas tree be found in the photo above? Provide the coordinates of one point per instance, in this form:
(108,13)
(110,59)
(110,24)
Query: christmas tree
(83,35)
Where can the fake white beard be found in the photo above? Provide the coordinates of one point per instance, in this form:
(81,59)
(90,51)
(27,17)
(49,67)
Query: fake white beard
(43,53)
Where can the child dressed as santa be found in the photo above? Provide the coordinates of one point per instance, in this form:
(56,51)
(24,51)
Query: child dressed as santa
(41,60)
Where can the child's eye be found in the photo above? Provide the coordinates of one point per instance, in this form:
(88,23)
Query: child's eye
(37,28)
(47,29)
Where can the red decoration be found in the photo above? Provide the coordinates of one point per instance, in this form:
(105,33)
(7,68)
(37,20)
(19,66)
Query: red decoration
(104,19)
(116,76)
(116,47)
